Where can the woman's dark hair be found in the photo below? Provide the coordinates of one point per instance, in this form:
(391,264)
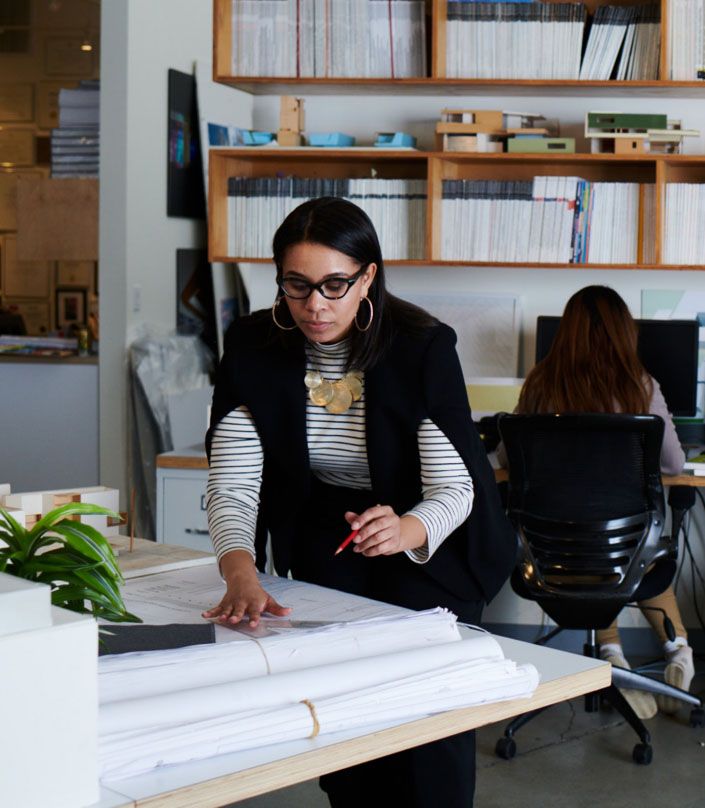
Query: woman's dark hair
(593,365)
(343,226)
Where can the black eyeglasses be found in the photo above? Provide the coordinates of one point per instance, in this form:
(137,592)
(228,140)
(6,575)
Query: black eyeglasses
(330,288)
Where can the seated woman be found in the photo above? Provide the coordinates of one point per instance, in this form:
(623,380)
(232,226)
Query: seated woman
(593,366)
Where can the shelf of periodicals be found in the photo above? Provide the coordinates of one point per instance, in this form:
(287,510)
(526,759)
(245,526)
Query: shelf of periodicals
(640,211)
(306,61)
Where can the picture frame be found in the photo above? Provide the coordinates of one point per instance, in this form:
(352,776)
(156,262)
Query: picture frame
(70,307)
(185,192)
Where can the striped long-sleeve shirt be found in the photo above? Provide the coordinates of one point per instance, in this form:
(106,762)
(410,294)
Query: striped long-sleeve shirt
(338,456)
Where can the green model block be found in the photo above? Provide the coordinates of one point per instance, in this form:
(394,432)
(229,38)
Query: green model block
(541,145)
(626,120)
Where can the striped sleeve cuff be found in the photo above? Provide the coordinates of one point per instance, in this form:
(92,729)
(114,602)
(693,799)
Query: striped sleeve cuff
(234,480)
(447,490)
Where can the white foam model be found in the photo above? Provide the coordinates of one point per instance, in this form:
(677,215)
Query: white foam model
(48,679)
(41,502)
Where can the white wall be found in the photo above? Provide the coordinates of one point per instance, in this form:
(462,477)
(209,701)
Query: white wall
(140,42)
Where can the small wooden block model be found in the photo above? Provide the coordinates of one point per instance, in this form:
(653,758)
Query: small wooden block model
(291,121)
(635,133)
(32,505)
(484,130)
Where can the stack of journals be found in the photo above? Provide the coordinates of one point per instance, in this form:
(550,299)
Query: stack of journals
(544,220)
(625,38)
(372,38)
(682,232)
(505,40)
(640,52)
(168,707)
(256,207)
(75,144)
(686,39)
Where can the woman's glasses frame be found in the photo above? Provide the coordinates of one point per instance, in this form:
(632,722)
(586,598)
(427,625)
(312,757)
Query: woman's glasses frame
(320,287)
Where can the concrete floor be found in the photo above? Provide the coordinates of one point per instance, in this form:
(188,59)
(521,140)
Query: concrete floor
(567,757)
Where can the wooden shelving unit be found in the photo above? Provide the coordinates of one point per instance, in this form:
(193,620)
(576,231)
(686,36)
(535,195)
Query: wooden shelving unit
(437,82)
(438,166)
(657,169)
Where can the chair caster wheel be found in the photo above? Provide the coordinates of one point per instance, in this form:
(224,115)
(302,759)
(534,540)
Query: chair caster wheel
(505,748)
(642,754)
(697,717)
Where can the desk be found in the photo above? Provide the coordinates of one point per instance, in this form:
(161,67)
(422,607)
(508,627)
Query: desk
(154,557)
(684,478)
(228,778)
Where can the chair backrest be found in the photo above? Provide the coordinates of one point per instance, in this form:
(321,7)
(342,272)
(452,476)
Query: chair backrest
(586,499)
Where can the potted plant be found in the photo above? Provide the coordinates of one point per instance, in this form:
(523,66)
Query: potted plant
(72,557)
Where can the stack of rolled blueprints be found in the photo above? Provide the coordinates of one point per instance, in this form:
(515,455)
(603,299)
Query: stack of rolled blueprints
(210,700)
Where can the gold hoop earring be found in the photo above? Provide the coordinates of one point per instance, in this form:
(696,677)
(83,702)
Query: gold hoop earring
(372,314)
(274,316)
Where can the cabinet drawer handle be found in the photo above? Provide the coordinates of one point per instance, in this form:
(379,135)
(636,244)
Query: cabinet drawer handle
(203,502)
(198,531)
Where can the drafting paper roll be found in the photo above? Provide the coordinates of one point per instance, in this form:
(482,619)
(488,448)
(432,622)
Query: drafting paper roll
(461,684)
(262,693)
(138,675)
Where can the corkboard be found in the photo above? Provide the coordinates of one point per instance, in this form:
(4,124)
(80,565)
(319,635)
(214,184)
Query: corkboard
(57,220)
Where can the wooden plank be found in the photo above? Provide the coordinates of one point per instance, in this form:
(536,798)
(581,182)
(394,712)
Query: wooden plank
(147,554)
(57,219)
(684,478)
(170,461)
(222,39)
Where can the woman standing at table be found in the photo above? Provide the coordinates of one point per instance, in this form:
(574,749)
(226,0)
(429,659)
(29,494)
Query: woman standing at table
(593,366)
(344,408)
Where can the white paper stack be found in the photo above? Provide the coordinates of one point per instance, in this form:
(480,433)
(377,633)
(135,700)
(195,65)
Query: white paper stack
(137,735)
(75,143)
(256,206)
(686,39)
(683,216)
(514,40)
(549,219)
(319,38)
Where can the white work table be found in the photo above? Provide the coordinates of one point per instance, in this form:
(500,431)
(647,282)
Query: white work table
(228,778)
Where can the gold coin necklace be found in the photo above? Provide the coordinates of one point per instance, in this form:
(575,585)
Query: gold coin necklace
(337,395)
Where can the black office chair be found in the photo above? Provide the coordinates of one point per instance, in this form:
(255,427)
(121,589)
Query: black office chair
(586,499)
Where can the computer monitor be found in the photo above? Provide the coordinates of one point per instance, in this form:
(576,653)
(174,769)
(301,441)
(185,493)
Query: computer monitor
(668,350)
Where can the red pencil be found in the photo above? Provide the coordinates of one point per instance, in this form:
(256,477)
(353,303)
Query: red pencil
(345,542)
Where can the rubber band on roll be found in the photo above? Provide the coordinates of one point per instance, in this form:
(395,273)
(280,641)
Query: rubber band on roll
(312,709)
(264,653)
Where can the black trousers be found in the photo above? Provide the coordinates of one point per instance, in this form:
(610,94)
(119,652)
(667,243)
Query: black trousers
(441,773)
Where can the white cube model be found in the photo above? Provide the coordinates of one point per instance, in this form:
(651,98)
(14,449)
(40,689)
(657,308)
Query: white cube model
(49,715)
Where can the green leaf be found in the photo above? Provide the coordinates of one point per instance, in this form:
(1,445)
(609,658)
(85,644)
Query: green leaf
(12,532)
(70,509)
(102,584)
(87,541)
(116,617)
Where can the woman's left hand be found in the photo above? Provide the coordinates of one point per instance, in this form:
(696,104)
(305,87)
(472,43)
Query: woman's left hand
(382,532)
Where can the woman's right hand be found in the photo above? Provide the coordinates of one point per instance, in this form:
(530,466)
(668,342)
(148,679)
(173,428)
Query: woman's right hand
(244,596)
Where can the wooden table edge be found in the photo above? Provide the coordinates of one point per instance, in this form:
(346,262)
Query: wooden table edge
(182,461)
(299,768)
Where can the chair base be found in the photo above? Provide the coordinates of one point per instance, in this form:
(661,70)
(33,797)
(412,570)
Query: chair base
(642,753)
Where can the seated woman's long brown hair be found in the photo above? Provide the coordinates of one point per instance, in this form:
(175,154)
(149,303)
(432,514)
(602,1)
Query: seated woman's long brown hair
(593,365)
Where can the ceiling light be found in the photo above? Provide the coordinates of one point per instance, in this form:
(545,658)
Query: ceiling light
(86,46)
